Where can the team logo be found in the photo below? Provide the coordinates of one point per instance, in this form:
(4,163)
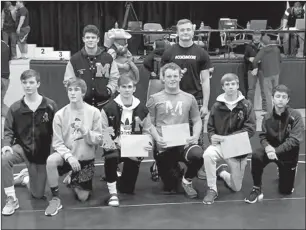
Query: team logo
(81,71)
(240,115)
(45,117)
(102,70)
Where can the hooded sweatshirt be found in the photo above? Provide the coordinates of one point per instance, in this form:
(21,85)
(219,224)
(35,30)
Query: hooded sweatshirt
(231,117)
(270,60)
(126,120)
(69,142)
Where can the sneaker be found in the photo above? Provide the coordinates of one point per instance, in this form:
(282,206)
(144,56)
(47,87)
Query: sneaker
(202,173)
(53,207)
(189,190)
(113,200)
(20,178)
(255,195)
(10,206)
(210,197)
(221,168)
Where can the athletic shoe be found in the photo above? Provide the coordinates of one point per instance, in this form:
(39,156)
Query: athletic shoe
(113,200)
(189,190)
(22,178)
(201,173)
(210,197)
(53,207)
(255,195)
(220,169)
(10,206)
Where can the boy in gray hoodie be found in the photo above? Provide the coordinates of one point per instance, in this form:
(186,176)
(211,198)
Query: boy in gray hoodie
(270,59)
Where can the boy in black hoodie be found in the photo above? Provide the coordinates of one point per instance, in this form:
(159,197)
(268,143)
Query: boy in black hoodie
(281,136)
(125,115)
(231,114)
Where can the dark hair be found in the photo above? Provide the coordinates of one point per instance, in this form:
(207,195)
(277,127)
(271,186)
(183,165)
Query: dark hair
(170,65)
(281,88)
(91,29)
(77,82)
(126,78)
(297,4)
(30,73)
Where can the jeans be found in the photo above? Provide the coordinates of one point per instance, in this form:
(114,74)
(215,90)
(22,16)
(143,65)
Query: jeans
(252,81)
(269,84)
(4,86)
(13,37)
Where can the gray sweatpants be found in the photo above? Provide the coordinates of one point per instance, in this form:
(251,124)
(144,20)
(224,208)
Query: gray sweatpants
(236,167)
(37,173)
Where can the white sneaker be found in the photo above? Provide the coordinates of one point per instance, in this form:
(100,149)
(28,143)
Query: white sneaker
(10,206)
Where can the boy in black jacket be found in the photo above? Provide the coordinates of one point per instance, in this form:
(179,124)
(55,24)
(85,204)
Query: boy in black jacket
(125,115)
(27,138)
(231,114)
(281,136)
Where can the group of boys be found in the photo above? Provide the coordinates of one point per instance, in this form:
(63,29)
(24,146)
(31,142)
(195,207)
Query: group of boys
(33,125)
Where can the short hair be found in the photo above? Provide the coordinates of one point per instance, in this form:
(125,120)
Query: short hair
(126,78)
(170,65)
(297,4)
(183,21)
(77,82)
(23,2)
(30,73)
(91,29)
(281,88)
(229,77)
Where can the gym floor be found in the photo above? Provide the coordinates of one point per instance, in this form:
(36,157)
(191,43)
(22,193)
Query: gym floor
(148,208)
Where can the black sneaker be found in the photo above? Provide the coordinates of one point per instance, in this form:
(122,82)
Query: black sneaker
(255,195)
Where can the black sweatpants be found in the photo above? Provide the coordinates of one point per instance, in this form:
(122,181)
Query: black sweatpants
(129,173)
(169,170)
(287,171)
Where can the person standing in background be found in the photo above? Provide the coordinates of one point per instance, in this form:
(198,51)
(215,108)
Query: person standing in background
(251,50)
(23,28)
(5,75)
(289,20)
(8,27)
(270,59)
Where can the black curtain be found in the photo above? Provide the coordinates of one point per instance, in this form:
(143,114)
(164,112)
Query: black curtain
(60,24)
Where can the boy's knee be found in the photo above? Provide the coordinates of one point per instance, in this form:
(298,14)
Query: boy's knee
(210,152)
(82,195)
(53,160)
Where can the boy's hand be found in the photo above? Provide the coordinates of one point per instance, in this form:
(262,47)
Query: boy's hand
(216,139)
(149,147)
(193,140)
(254,72)
(269,148)
(74,163)
(161,143)
(6,149)
(272,155)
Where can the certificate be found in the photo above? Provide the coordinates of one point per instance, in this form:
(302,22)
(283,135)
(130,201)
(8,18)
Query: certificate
(176,135)
(236,145)
(134,145)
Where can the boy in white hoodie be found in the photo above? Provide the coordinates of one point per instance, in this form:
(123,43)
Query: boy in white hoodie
(76,133)
(127,116)
(230,114)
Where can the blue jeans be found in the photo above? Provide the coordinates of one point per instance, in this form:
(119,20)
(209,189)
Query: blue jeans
(252,81)
(269,83)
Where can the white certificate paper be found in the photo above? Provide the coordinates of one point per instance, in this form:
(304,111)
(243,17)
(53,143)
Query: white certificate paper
(133,145)
(176,135)
(236,145)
